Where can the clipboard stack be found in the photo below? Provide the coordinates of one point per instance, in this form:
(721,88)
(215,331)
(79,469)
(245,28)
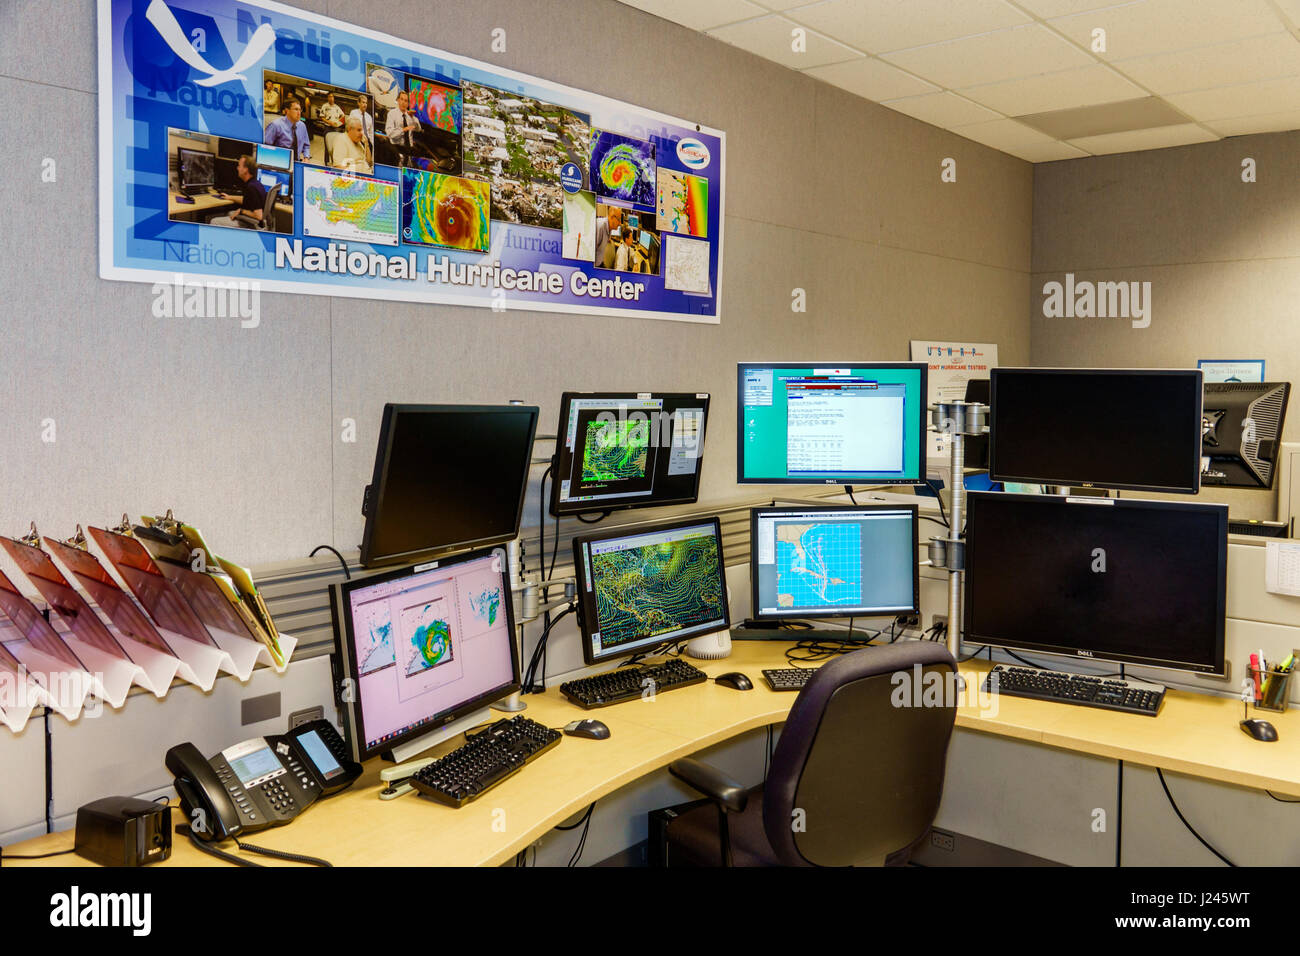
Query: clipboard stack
(185,612)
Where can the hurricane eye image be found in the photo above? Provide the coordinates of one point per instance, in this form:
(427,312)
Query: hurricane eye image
(448,211)
(430,638)
(615,450)
(623,168)
(657,588)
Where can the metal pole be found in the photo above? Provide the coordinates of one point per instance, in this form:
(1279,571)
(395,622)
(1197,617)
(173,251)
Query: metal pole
(956,553)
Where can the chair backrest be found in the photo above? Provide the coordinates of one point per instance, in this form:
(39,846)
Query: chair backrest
(268,210)
(858,772)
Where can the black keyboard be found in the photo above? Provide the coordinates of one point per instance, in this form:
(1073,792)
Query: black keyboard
(788,678)
(1108,693)
(484,760)
(630,683)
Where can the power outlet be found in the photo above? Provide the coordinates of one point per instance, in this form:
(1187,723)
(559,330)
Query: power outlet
(305,716)
(937,619)
(942,841)
(908,622)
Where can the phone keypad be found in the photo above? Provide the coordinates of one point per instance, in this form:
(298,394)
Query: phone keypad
(278,795)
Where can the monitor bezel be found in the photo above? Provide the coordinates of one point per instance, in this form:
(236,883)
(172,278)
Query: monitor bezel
(383,454)
(922,415)
(587,616)
(345,643)
(1079,481)
(756,514)
(1216,668)
(561,509)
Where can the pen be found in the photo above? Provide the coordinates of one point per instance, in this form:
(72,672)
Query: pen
(1254,673)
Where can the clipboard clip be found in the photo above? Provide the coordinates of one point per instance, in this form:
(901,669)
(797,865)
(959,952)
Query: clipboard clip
(78,540)
(32,538)
(124,527)
(167,523)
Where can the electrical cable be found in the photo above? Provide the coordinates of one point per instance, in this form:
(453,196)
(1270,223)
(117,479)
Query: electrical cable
(210,850)
(582,819)
(49,771)
(1280,799)
(848,490)
(601,516)
(46,856)
(282,855)
(943,512)
(582,840)
(1190,829)
(530,685)
(325,547)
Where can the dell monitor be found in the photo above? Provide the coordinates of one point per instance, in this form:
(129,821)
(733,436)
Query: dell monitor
(977,446)
(197,169)
(424,649)
(834,561)
(446,477)
(834,423)
(656,584)
(1133,429)
(1141,582)
(1242,432)
(618,450)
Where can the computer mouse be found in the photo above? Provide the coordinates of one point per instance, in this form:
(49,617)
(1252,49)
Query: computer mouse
(735,680)
(1259,729)
(587,729)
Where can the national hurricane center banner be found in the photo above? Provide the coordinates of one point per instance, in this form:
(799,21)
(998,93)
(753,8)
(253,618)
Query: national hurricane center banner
(254,142)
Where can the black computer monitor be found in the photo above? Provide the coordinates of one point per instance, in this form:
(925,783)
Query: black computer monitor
(831,423)
(619,450)
(834,561)
(1242,432)
(655,584)
(197,169)
(977,446)
(423,646)
(1136,429)
(1142,582)
(446,477)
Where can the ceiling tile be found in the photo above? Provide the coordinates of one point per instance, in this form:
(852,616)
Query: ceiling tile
(873,79)
(1241,61)
(1265,123)
(1245,99)
(879,25)
(1160,26)
(700,14)
(1144,139)
(942,109)
(1083,86)
(771,37)
(1060,8)
(1046,152)
(991,57)
(1004,134)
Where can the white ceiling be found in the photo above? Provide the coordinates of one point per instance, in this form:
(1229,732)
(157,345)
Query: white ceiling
(971,66)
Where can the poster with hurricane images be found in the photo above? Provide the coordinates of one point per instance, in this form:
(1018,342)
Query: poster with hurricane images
(383,151)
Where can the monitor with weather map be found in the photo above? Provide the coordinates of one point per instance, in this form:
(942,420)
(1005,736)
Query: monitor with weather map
(656,584)
(422,646)
(834,561)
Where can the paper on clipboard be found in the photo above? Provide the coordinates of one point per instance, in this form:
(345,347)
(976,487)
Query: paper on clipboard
(45,654)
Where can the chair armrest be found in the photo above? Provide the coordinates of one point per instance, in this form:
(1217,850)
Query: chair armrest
(711,782)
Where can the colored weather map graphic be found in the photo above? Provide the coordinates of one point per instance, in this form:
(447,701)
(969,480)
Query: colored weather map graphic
(437,105)
(448,211)
(430,642)
(374,637)
(623,168)
(818,564)
(615,450)
(349,208)
(657,588)
(683,205)
(486,603)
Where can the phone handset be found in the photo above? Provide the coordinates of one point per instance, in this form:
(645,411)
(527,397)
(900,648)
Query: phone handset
(208,806)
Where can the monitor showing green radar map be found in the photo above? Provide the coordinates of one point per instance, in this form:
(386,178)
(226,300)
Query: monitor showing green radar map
(628,450)
(655,585)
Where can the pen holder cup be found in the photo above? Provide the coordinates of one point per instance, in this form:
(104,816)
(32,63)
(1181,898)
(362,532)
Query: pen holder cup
(1275,687)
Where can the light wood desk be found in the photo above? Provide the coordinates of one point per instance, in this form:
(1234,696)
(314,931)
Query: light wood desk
(1194,734)
(205,203)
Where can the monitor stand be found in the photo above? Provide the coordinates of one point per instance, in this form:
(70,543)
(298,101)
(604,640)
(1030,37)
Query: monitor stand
(710,647)
(775,633)
(403,754)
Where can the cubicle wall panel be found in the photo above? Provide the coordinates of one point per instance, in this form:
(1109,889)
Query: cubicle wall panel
(22,796)
(1038,800)
(121,751)
(1247,826)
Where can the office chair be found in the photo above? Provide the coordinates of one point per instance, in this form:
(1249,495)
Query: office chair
(855,780)
(268,210)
